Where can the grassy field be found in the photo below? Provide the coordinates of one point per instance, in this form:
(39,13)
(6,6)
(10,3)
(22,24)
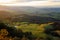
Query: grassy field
(36,29)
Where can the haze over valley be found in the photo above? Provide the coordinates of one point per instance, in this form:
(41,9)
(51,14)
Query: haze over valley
(29,19)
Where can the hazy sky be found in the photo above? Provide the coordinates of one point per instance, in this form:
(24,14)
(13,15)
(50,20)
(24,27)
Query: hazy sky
(30,3)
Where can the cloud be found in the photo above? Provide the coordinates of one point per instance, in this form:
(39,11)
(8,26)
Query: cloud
(34,3)
(55,0)
(28,0)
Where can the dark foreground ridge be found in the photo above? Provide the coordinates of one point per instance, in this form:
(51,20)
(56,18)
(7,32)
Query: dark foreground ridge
(15,33)
(7,33)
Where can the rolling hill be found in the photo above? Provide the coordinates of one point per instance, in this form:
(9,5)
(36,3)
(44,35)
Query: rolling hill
(30,14)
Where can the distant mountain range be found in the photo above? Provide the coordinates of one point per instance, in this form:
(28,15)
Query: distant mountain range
(30,14)
(34,9)
(30,9)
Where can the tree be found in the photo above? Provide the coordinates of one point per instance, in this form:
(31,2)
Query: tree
(51,29)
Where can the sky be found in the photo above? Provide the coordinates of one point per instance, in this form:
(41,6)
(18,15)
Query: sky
(30,3)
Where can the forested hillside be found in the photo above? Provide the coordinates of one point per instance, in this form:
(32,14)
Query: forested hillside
(26,26)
